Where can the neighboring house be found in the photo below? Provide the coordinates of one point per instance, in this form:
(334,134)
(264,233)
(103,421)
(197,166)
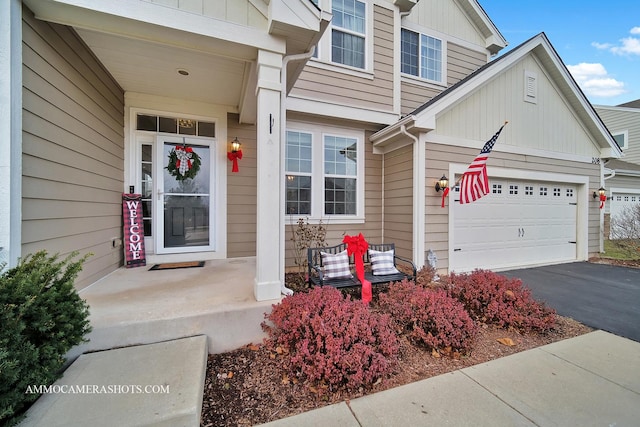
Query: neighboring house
(622,176)
(355,134)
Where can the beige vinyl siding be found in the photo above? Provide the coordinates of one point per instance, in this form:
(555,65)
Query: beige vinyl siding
(622,181)
(398,200)
(371,228)
(345,89)
(460,63)
(241,193)
(618,120)
(73,151)
(438,158)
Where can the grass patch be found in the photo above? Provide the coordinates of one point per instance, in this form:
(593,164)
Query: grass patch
(621,250)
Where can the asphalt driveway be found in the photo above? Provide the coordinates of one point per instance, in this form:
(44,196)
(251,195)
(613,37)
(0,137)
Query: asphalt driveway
(601,296)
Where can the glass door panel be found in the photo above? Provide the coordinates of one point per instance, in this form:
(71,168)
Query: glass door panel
(184,195)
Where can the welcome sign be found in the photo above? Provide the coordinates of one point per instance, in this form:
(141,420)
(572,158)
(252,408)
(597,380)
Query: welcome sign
(134,253)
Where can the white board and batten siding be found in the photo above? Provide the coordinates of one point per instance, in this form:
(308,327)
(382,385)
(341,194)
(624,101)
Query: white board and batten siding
(73,155)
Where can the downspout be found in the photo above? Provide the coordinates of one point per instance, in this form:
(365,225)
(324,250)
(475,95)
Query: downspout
(418,198)
(283,129)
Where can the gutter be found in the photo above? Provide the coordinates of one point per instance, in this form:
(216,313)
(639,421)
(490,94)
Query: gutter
(283,129)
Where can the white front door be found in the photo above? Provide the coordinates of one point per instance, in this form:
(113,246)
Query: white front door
(185,203)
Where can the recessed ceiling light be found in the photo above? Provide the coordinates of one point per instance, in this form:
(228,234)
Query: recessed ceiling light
(183,72)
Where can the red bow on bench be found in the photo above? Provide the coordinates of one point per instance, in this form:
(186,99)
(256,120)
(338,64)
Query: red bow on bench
(357,246)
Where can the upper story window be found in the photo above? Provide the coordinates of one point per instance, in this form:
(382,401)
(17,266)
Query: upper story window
(348,33)
(421,55)
(622,138)
(324,172)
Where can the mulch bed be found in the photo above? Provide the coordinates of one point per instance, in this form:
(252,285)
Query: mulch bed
(248,386)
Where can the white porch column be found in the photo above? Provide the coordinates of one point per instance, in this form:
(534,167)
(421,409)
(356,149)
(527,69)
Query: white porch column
(10,130)
(269,245)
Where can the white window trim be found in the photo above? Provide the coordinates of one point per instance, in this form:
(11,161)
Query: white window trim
(324,46)
(625,133)
(443,66)
(318,132)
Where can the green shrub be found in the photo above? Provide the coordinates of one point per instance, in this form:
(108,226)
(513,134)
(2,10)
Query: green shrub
(42,318)
(332,340)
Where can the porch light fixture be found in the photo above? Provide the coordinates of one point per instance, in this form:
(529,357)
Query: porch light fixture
(235,154)
(600,193)
(442,183)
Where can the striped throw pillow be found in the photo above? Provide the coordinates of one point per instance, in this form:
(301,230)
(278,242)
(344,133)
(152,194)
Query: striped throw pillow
(382,262)
(336,266)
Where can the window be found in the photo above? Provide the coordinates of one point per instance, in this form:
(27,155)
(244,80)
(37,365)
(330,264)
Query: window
(175,125)
(528,190)
(421,55)
(348,34)
(543,191)
(569,192)
(556,192)
(513,189)
(298,166)
(496,189)
(324,173)
(621,138)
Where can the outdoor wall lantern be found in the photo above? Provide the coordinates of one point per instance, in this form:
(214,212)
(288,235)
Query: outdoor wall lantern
(602,194)
(442,183)
(235,154)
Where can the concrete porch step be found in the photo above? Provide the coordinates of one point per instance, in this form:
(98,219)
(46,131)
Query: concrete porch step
(157,384)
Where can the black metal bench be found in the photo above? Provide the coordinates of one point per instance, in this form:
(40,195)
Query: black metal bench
(316,275)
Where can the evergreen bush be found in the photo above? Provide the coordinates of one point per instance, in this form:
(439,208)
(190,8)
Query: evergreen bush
(42,318)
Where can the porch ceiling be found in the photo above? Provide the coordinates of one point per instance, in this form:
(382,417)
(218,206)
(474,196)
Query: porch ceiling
(152,68)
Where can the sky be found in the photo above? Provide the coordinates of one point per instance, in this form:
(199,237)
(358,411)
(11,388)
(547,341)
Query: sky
(599,41)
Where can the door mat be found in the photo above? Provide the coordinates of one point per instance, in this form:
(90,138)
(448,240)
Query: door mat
(174,265)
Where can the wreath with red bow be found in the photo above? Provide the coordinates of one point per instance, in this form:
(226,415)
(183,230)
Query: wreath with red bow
(183,163)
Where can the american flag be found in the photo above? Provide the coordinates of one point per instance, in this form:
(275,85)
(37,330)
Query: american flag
(475,182)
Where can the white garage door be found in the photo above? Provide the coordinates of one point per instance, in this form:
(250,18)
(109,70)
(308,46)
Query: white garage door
(519,223)
(620,202)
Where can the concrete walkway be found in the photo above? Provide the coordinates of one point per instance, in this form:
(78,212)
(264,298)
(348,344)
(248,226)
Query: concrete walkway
(591,380)
(156,384)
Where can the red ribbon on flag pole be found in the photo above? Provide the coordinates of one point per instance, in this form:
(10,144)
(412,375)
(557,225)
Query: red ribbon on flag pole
(234,156)
(603,199)
(357,246)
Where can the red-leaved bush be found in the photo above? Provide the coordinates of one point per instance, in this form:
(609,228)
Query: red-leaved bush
(493,298)
(429,316)
(331,339)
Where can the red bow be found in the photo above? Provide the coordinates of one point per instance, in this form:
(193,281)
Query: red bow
(357,246)
(445,193)
(186,150)
(234,156)
(603,198)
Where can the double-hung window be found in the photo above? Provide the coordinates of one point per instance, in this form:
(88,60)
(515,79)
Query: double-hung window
(421,56)
(298,158)
(348,33)
(324,172)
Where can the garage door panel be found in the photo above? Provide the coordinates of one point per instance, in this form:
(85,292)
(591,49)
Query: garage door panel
(519,223)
